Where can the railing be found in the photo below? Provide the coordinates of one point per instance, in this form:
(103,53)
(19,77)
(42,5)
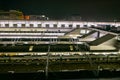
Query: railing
(31,34)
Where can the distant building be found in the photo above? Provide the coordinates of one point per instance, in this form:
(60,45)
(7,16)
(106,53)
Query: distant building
(73,18)
(36,17)
(11,15)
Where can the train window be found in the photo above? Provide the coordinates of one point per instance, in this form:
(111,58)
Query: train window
(6,25)
(85,25)
(14,25)
(31,25)
(59,31)
(39,25)
(62,25)
(92,26)
(55,25)
(70,26)
(47,25)
(23,25)
(77,26)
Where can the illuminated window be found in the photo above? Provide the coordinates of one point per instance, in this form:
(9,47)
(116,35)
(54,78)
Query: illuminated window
(62,25)
(55,25)
(6,25)
(23,25)
(70,26)
(39,25)
(14,25)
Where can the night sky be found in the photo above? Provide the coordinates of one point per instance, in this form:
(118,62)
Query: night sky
(87,9)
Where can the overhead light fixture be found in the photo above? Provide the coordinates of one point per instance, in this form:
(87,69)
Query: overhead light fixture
(30,48)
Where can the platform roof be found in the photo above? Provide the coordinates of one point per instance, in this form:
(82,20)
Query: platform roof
(102,39)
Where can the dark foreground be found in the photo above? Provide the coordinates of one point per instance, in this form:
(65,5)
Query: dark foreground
(80,75)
